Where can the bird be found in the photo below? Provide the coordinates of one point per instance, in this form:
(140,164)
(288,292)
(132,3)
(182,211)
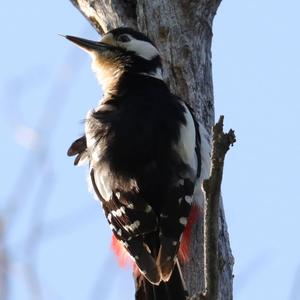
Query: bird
(145,152)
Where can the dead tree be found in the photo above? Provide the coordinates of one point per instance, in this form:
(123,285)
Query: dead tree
(182,30)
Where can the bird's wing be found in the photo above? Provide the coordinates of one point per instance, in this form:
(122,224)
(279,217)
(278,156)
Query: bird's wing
(130,217)
(179,199)
(79,148)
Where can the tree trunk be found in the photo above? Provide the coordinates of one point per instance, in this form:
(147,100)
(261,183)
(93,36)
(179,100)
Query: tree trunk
(182,30)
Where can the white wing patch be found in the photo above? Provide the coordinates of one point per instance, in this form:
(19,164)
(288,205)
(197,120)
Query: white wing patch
(186,149)
(102,180)
(187,142)
(205,150)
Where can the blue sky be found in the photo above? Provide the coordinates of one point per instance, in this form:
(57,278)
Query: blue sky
(56,232)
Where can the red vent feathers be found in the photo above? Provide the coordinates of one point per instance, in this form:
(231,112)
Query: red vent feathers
(183,253)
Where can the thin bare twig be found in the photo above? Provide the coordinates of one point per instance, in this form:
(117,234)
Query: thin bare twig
(212,187)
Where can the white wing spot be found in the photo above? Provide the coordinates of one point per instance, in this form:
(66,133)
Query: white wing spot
(163,216)
(186,144)
(179,200)
(119,233)
(118,212)
(109,216)
(136,257)
(147,248)
(130,206)
(133,226)
(148,208)
(183,221)
(112,227)
(181,182)
(188,199)
(174,243)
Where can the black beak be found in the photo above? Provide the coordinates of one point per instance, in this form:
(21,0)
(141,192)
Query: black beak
(88,45)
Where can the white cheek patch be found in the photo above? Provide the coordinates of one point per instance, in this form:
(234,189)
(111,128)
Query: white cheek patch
(142,48)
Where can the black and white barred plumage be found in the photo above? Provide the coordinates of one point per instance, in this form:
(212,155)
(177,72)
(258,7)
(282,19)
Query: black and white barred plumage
(143,148)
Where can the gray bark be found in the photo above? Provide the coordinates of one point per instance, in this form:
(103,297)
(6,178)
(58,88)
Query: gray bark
(182,30)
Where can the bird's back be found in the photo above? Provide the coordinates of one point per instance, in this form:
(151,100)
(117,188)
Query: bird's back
(135,132)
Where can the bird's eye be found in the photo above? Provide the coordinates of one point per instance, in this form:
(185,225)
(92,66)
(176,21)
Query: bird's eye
(123,38)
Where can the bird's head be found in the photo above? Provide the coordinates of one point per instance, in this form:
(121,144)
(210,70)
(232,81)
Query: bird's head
(121,50)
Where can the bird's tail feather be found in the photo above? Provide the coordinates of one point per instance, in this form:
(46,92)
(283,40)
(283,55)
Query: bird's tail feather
(173,289)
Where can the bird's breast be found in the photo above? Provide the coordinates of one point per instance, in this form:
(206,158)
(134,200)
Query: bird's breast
(133,136)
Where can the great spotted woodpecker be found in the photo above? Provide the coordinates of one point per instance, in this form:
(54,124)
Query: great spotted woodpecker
(144,150)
